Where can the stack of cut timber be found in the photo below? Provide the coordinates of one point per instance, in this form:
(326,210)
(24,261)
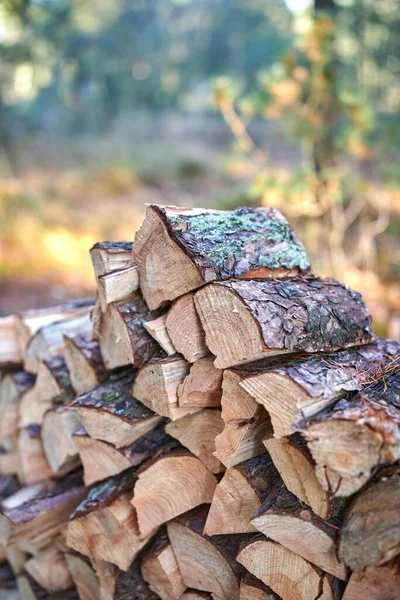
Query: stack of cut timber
(223,426)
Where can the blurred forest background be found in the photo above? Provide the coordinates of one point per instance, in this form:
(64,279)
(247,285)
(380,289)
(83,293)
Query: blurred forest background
(105,106)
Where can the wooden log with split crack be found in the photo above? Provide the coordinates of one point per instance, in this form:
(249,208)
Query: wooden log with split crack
(202,387)
(109,413)
(206,562)
(111,256)
(248,320)
(357,435)
(10,353)
(295,391)
(116,285)
(287,573)
(53,386)
(50,570)
(33,463)
(375,582)
(197,433)
(169,484)
(122,337)
(158,331)
(185,329)
(49,340)
(84,362)
(252,588)
(101,459)
(180,249)
(246,423)
(13,387)
(157,383)
(59,424)
(83,575)
(370,534)
(160,569)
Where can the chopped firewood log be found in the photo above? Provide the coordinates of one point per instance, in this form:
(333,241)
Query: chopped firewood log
(34,466)
(104,526)
(295,391)
(9,456)
(49,340)
(358,434)
(197,433)
(101,460)
(295,465)
(16,558)
(108,412)
(202,388)
(13,387)
(370,534)
(10,353)
(242,491)
(32,590)
(58,442)
(116,285)
(25,493)
(53,386)
(181,249)
(50,570)
(110,256)
(106,574)
(169,485)
(308,315)
(287,573)
(185,329)
(97,317)
(83,575)
(284,519)
(246,423)
(84,362)
(252,588)
(130,585)
(157,383)
(206,562)
(195,595)
(157,329)
(160,569)
(375,582)
(44,514)
(123,339)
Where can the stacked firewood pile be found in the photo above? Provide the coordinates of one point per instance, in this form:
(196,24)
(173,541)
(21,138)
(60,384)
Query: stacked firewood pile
(220,424)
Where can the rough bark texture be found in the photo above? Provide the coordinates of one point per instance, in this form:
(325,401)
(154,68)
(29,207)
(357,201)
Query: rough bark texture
(130,585)
(59,370)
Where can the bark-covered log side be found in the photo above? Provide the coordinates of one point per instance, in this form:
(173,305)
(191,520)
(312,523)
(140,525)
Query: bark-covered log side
(59,370)
(114,247)
(8,486)
(23,381)
(130,585)
(305,314)
(261,473)
(148,446)
(90,350)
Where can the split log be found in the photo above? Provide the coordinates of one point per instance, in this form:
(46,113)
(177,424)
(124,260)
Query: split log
(83,575)
(284,519)
(49,340)
(295,465)
(108,412)
(375,582)
(116,285)
(32,590)
(185,329)
(25,493)
(295,391)
(246,423)
(158,331)
(157,383)
(104,526)
(197,433)
(308,315)
(206,563)
(252,588)
(110,256)
(97,317)
(50,570)
(123,339)
(101,460)
(160,569)
(16,558)
(59,445)
(34,466)
(84,362)
(241,492)
(169,485)
(106,574)
(10,353)
(180,249)
(13,387)
(9,456)
(370,534)
(202,388)
(195,595)
(9,485)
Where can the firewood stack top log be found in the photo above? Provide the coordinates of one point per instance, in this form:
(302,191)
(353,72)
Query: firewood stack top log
(221,424)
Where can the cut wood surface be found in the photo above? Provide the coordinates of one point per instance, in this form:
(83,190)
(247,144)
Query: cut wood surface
(240,493)
(109,412)
(246,423)
(206,563)
(10,353)
(370,534)
(295,465)
(109,256)
(123,339)
(84,362)
(252,588)
(197,433)
(375,582)
(9,456)
(116,285)
(59,445)
(202,387)
(158,330)
(13,387)
(180,249)
(34,466)
(156,386)
(83,575)
(195,595)
(168,486)
(308,315)
(50,570)
(160,569)
(185,329)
